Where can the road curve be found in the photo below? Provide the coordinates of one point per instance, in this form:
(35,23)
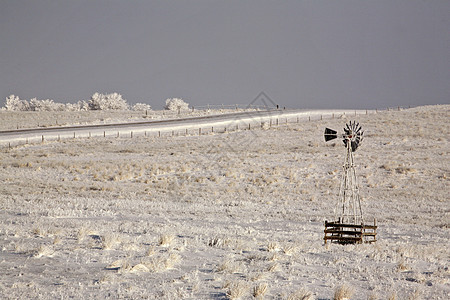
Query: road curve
(221,122)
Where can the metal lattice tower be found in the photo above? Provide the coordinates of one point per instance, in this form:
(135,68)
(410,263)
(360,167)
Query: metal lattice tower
(348,208)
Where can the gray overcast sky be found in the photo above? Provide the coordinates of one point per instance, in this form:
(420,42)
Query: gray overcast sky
(302,54)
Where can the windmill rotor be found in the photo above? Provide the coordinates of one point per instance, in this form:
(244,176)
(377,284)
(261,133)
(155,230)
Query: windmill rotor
(353,135)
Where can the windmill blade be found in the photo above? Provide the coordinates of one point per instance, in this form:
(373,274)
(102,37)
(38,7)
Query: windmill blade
(348,128)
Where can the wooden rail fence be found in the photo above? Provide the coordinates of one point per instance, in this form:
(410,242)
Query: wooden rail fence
(341,233)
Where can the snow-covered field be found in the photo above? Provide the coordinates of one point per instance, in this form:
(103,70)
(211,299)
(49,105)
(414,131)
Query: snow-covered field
(227,215)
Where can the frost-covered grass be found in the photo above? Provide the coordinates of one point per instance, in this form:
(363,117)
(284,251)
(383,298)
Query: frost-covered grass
(227,216)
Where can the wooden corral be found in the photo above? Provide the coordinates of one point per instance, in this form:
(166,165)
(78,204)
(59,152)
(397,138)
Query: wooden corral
(341,233)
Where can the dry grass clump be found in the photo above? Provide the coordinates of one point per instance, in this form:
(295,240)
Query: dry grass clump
(301,294)
(165,240)
(155,265)
(218,242)
(172,260)
(289,249)
(236,289)
(272,247)
(393,296)
(83,232)
(162,263)
(151,251)
(119,265)
(110,240)
(343,292)
(139,268)
(230,267)
(416,295)
(260,276)
(44,251)
(402,266)
(260,290)
(274,267)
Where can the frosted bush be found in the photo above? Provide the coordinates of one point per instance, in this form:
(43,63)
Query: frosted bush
(141,107)
(45,105)
(175,104)
(112,101)
(13,103)
(79,106)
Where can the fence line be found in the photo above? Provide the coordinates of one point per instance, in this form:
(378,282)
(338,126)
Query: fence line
(233,126)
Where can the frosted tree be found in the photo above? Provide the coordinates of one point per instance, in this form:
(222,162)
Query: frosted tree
(141,107)
(13,103)
(176,104)
(45,105)
(112,101)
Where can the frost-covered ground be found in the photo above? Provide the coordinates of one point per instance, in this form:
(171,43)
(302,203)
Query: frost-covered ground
(229,215)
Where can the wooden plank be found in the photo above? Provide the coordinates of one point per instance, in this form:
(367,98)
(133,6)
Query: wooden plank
(342,225)
(349,225)
(342,231)
(342,238)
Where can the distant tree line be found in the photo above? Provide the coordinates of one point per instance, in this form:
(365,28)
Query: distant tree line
(98,101)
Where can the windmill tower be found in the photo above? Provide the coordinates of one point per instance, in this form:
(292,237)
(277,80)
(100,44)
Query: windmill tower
(348,225)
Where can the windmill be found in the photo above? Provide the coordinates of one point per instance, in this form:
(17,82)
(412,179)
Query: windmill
(348,225)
